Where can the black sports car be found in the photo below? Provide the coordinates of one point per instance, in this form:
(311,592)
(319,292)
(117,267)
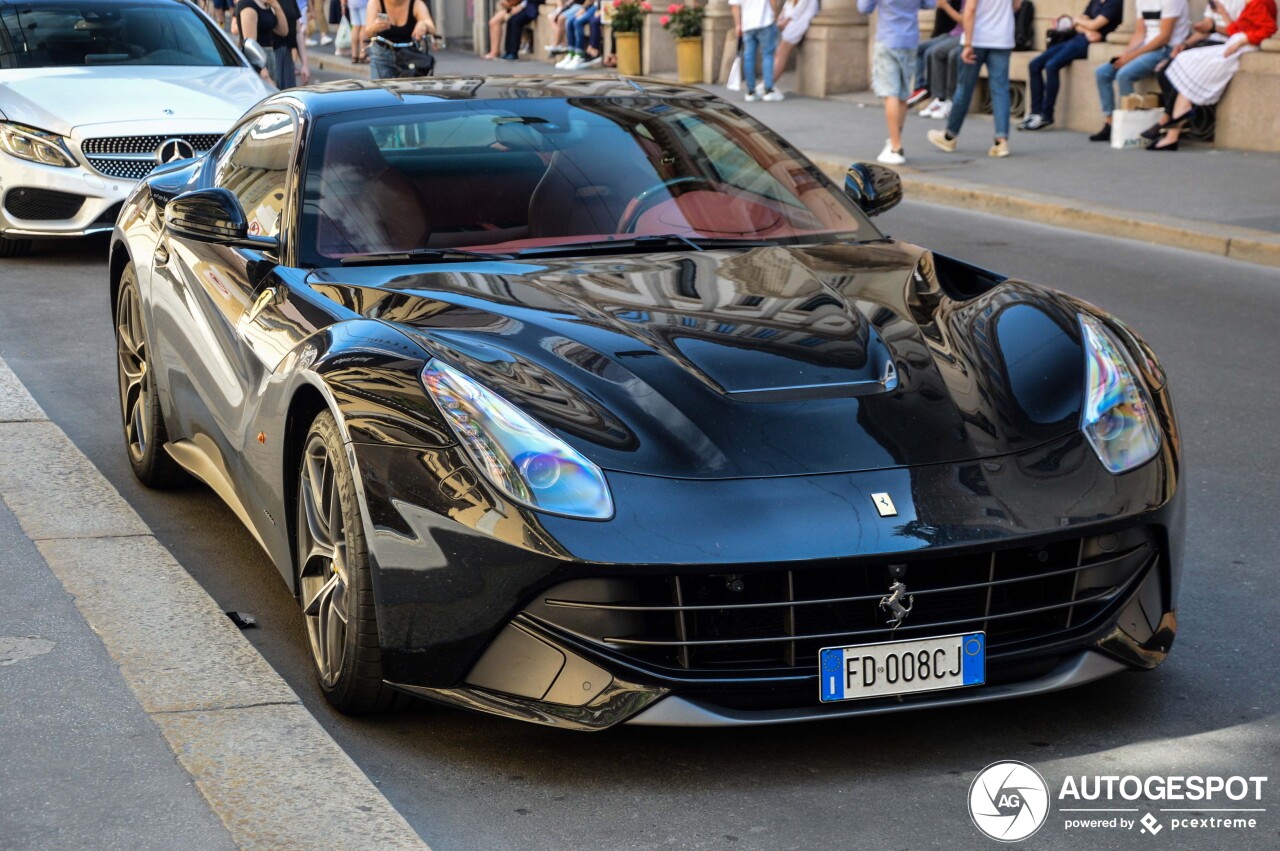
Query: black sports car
(589,401)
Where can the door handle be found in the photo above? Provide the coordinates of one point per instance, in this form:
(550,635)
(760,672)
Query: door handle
(162,254)
(265,300)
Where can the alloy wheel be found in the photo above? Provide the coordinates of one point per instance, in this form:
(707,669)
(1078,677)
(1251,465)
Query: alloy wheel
(134,373)
(323,578)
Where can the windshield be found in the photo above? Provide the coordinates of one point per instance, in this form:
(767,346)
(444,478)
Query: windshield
(516,175)
(67,34)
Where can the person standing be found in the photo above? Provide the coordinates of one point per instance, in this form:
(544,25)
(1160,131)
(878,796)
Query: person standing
(264,22)
(988,40)
(283,70)
(1163,24)
(893,64)
(757,26)
(356,12)
(397,21)
(1099,20)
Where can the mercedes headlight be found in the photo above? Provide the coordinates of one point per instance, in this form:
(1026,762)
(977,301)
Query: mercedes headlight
(517,454)
(1118,418)
(37,146)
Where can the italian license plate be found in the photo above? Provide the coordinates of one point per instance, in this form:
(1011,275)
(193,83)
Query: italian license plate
(903,667)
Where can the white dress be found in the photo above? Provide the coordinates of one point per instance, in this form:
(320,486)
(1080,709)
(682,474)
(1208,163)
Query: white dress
(799,14)
(1202,74)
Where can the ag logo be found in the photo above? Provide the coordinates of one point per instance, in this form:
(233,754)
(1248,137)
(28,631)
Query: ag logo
(1008,801)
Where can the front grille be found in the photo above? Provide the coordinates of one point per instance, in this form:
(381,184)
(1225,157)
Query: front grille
(134,157)
(42,204)
(766,621)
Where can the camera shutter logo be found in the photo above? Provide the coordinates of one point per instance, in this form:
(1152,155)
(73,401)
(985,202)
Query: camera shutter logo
(1008,801)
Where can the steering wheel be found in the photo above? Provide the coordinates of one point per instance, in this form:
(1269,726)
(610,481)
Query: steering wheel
(645,199)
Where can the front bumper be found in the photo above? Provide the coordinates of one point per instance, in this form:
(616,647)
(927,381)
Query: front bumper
(101,199)
(457,567)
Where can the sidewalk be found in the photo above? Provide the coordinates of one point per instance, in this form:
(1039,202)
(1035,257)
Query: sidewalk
(1202,198)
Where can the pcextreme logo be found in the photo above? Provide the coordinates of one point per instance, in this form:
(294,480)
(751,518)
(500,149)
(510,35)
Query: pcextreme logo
(1010,801)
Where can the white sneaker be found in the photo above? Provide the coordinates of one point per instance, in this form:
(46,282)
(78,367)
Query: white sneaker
(752,96)
(575,62)
(567,60)
(326,39)
(773,96)
(944,111)
(930,108)
(313,42)
(591,63)
(889,156)
(760,88)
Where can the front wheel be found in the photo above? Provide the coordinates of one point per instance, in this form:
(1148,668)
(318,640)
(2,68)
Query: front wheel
(140,414)
(334,585)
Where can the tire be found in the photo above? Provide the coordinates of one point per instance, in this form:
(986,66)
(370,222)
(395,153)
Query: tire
(335,588)
(141,419)
(14,247)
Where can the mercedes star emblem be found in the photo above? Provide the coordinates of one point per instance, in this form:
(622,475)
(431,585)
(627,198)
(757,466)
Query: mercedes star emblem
(172,150)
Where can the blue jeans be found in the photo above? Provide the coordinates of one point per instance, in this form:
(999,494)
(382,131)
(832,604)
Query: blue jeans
(382,62)
(997,62)
(576,29)
(1126,77)
(1045,71)
(764,40)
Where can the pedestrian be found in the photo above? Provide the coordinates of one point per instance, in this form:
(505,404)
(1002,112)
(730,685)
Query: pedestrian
(518,17)
(357,15)
(932,54)
(757,27)
(283,70)
(264,21)
(397,21)
(320,20)
(893,64)
(1163,23)
(1099,20)
(988,40)
(793,23)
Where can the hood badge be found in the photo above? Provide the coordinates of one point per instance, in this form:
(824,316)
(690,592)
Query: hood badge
(884,504)
(172,150)
(167,111)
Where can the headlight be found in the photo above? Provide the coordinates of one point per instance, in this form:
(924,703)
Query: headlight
(518,455)
(1118,418)
(28,143)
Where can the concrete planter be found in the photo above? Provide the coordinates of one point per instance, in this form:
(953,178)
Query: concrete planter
(689,59)
(628,45)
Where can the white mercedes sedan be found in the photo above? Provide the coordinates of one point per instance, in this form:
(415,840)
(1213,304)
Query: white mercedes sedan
(94,94)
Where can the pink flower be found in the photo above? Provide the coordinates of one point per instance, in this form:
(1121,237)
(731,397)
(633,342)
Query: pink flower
(646,7)
(673,8)
(617,4)
(664,20)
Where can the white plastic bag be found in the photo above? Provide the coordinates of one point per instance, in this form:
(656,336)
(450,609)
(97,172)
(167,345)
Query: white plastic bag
(342,40)
(1128,125)
(734,83)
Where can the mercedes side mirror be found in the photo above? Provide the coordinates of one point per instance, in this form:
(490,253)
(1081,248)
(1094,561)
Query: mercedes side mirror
(872,187)
(213,216)
(255,54)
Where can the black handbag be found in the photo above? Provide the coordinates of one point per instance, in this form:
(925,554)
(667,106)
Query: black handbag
(411,62)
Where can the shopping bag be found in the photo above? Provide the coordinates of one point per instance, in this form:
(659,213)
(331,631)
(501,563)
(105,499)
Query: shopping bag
(1128,125)
(342,40)
(734,83)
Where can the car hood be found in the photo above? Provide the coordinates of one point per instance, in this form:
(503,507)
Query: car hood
(764,362)
(62,99)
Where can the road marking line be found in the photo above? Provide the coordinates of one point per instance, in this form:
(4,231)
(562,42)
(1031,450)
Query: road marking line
(265,765)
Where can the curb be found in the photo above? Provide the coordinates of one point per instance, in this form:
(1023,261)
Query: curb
(268,770)
(1245,244)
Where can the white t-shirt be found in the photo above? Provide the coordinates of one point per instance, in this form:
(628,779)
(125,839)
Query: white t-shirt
(1150,12)
(757,13)
(993,24)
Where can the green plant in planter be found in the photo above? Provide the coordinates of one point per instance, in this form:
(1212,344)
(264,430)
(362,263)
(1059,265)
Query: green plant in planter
(682,20)
(628,15)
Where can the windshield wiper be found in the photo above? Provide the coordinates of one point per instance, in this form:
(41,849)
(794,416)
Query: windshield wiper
(422,254)
(668,240)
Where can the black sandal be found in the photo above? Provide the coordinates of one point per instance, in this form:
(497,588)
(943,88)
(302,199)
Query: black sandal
(1180,122)
(1154,132)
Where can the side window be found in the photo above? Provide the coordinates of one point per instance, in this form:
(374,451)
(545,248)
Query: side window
(255,167)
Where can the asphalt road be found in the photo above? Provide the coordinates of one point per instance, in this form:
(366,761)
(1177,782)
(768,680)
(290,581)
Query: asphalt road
(471,782)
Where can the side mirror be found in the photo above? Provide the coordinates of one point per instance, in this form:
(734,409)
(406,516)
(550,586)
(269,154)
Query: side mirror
(214,216)
(873,188)
(255,54)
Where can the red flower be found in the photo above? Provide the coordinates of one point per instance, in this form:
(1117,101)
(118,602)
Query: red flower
(674,7)
(646,7)
(664,20)
(617,4)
